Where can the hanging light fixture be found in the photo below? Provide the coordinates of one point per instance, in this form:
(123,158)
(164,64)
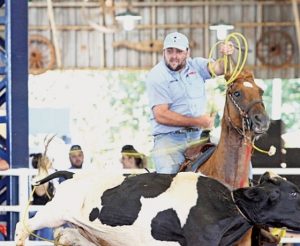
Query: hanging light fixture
(128,18)
(222,29)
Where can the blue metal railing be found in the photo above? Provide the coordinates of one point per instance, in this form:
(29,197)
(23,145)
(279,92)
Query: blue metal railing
(14,98)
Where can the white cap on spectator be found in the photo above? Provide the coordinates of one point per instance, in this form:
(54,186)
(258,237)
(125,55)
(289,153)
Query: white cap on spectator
(176,40)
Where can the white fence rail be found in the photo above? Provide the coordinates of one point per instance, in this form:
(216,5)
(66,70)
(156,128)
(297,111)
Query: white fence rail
(25,175)
(29,243)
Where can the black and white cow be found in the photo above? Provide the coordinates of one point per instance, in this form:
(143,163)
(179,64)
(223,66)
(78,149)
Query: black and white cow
(160,209)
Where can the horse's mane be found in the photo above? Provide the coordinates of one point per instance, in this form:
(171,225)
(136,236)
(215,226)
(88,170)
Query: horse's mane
(245,74)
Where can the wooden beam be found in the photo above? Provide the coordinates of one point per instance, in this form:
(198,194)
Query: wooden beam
(162,26)
(259,19)
(153,32)
(141,4)
(206,31)
(54,33)
(147,68)
(297,21)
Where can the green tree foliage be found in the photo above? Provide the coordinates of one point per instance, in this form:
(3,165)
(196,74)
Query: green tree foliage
(290,102)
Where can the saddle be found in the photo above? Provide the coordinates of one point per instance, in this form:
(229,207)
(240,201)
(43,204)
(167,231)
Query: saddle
(196,155)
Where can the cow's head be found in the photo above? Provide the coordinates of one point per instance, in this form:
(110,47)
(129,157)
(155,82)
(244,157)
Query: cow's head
(274,202)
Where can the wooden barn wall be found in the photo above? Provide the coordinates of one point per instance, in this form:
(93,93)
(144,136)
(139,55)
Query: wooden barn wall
(81,46)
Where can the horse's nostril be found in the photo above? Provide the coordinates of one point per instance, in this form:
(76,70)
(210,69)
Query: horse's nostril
(260,121)
(258,118)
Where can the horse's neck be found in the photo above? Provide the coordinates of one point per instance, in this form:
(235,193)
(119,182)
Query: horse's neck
(230,163)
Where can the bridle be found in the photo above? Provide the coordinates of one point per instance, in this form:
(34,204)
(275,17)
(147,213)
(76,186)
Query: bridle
(246,122)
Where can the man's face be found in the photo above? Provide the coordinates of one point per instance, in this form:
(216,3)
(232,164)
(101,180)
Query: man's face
(175,59)
(76,159)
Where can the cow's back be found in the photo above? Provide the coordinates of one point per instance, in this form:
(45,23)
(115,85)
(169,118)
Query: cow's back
(148,208)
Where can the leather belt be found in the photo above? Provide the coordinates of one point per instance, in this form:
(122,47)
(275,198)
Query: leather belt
(185,130)
(181,131)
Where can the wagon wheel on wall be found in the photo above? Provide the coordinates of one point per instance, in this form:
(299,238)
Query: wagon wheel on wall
(41,54)
(275,49)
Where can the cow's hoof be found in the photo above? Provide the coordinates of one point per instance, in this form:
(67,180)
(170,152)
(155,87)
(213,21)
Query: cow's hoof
(18,240)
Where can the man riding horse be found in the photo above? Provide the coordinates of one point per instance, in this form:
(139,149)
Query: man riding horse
(177,99)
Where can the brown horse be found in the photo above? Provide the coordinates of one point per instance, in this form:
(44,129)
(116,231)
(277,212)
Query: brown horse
(243,120)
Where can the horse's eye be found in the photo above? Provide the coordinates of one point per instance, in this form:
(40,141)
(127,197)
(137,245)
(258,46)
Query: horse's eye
(293,195)
(236,93)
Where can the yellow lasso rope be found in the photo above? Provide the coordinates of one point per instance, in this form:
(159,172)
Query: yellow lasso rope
(270,152)
(241,60)
(236,70)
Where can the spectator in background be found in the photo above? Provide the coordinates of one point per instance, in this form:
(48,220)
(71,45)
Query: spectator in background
(76,158)
(3,165)
(131,158)
(3,232)
(42,193)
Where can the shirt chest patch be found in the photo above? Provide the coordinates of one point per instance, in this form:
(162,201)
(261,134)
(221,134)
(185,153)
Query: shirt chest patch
(192,75)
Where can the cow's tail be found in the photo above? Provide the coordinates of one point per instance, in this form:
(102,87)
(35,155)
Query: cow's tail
(58,174)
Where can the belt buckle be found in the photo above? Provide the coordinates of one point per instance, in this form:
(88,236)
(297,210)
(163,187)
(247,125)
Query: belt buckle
(180,131)
(185,130)
(191,129)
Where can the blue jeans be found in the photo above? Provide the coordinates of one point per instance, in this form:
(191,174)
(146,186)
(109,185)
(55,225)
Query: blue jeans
(168,150)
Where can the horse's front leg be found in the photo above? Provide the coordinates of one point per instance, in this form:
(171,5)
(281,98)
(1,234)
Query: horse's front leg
(246,239)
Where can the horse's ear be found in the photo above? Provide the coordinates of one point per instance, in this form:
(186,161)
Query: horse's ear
(248,74)
(245,74)
(227,76)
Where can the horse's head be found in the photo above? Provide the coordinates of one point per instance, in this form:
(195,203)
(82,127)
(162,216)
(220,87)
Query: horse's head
(244,106)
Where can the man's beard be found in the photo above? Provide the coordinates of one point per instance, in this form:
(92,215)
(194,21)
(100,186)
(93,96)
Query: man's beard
(177,68)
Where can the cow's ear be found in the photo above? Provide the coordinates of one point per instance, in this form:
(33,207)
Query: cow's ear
(270,177)
(254,194)
(265,177)
(274,195)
